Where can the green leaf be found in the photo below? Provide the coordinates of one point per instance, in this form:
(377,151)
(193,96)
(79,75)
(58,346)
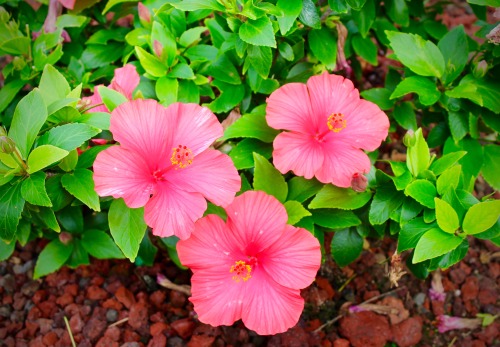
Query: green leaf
(166,90)
(147,252)
(79,256)
(68,136)
(365,48)
(53,85)
(331,196)
(242,154)
(434,243)
(285,49)
(295,211)
(194,5)
(423,191)
(229,98)
(69,162)
(426,89)
(455,52)
(449,179)
(95,56)
(418,156)
(409,210)
(52,257)
(33,190)
(446,161)
(268,179)
(9,92)
(111,98)
(258,32)
(335,219)
(260,58)
(112,3)
(181,70)
(450,258)
(379,96)
(398,12)
(323,44)
(481,217)
(472,161)
(301,189)
(346,246)
(411,233)
(291,10)
(405,115)
(71,219)
(446,216)
(6,249)
(127,227)
(459,125)
(223,69)
(356,4)
(81,185)
(29,116)
(419,55)
(485,93)
(44,156)
(363,17)
(191,36)
(491,165)
(100,245)
(252,125)
(309,14)
(11,206)
(188,92)
(150,63)
(386,200)
(86,159)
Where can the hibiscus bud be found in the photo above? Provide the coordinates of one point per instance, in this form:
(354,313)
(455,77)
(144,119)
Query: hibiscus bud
(7,145)
(480,69)
(494,35)
(359,182)
(3,132)
(409,139)
(83,104)
(158,48)
(65,238)
(19,63)
(446,323)
(436,292)
(144,14)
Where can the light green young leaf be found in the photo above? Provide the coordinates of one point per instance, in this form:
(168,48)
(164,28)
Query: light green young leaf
(434,243)
(449,179)
(111,98)
(481,217)
(423,191)
(166,90)
(411,232)
(68,136)
(191,36)
(81,185)
(418,156)
(268,179)
(9,92)
(44,156)
(291,10)
(331,196)
(53,85)
(258,32)
(446,161)
(295,211)
(6,249)
(335,219)
(446,216)
(182,70)
(150,63)
(251,125)
(33,190)
(52,257)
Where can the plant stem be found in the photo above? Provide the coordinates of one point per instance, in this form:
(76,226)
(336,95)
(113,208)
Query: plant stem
(69,332)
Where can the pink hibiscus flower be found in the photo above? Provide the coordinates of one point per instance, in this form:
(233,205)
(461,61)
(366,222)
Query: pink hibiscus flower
(252,267)
(126,79)
(163,163)
(328,126)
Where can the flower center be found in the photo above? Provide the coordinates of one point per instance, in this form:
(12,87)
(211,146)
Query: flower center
(182,157)
(336,122)
(241,271)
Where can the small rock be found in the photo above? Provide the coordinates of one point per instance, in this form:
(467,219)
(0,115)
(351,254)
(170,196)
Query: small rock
(76,324)
(64,300)
(177,299)
(96,293)
(5,311)
(294,337)
(111,315)
(45,325)
(470,289)
(407,333)
(8,283)
(365,329)
(184,327)
(131,344)
(396,304)
(158,298)
(113,304)
(105,341)
(47,308)
(50,338)
(124,296)
(175,341)
(158,328)
(113,333)
(138,316)
(158,341)
(419,299)
(30,288)
(341,343)
(71,289)
(94,328)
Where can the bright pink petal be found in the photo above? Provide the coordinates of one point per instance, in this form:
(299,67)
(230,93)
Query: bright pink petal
(341,162)
(126,80)
(294,259)
(217,299)
(210,246)
(300,153)
(257,220)
(212,174)
(173,212)
(367,126)
(123,174)
(145,127)
(68,3)
(289,108)
(270,308)
(331,94)
(95,99)
(195,127)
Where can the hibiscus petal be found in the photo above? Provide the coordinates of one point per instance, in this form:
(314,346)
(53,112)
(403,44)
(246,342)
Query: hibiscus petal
(289,108)
(212,174)
(270,308)
(95,99)
(173,212)
(123,174)
(217,299)
(341,162)
(145,127)
(257,220)
(294,259)
(300,153)
(126,80)
(195,127)
(367,126)
(210,246)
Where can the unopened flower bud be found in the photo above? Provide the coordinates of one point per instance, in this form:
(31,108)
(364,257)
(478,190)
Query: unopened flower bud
(494,35)
(158,48)
(7,145)
(359,182)
(144,14)
(19,63)
(446,323)
(65,238)
(409,139)
(83,104)
(3,132)
(480,69)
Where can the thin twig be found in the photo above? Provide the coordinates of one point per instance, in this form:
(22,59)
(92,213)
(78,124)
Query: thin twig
(330,322)
(165,282)
(342,287)
(452,341)
(121,321)
(69,332)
